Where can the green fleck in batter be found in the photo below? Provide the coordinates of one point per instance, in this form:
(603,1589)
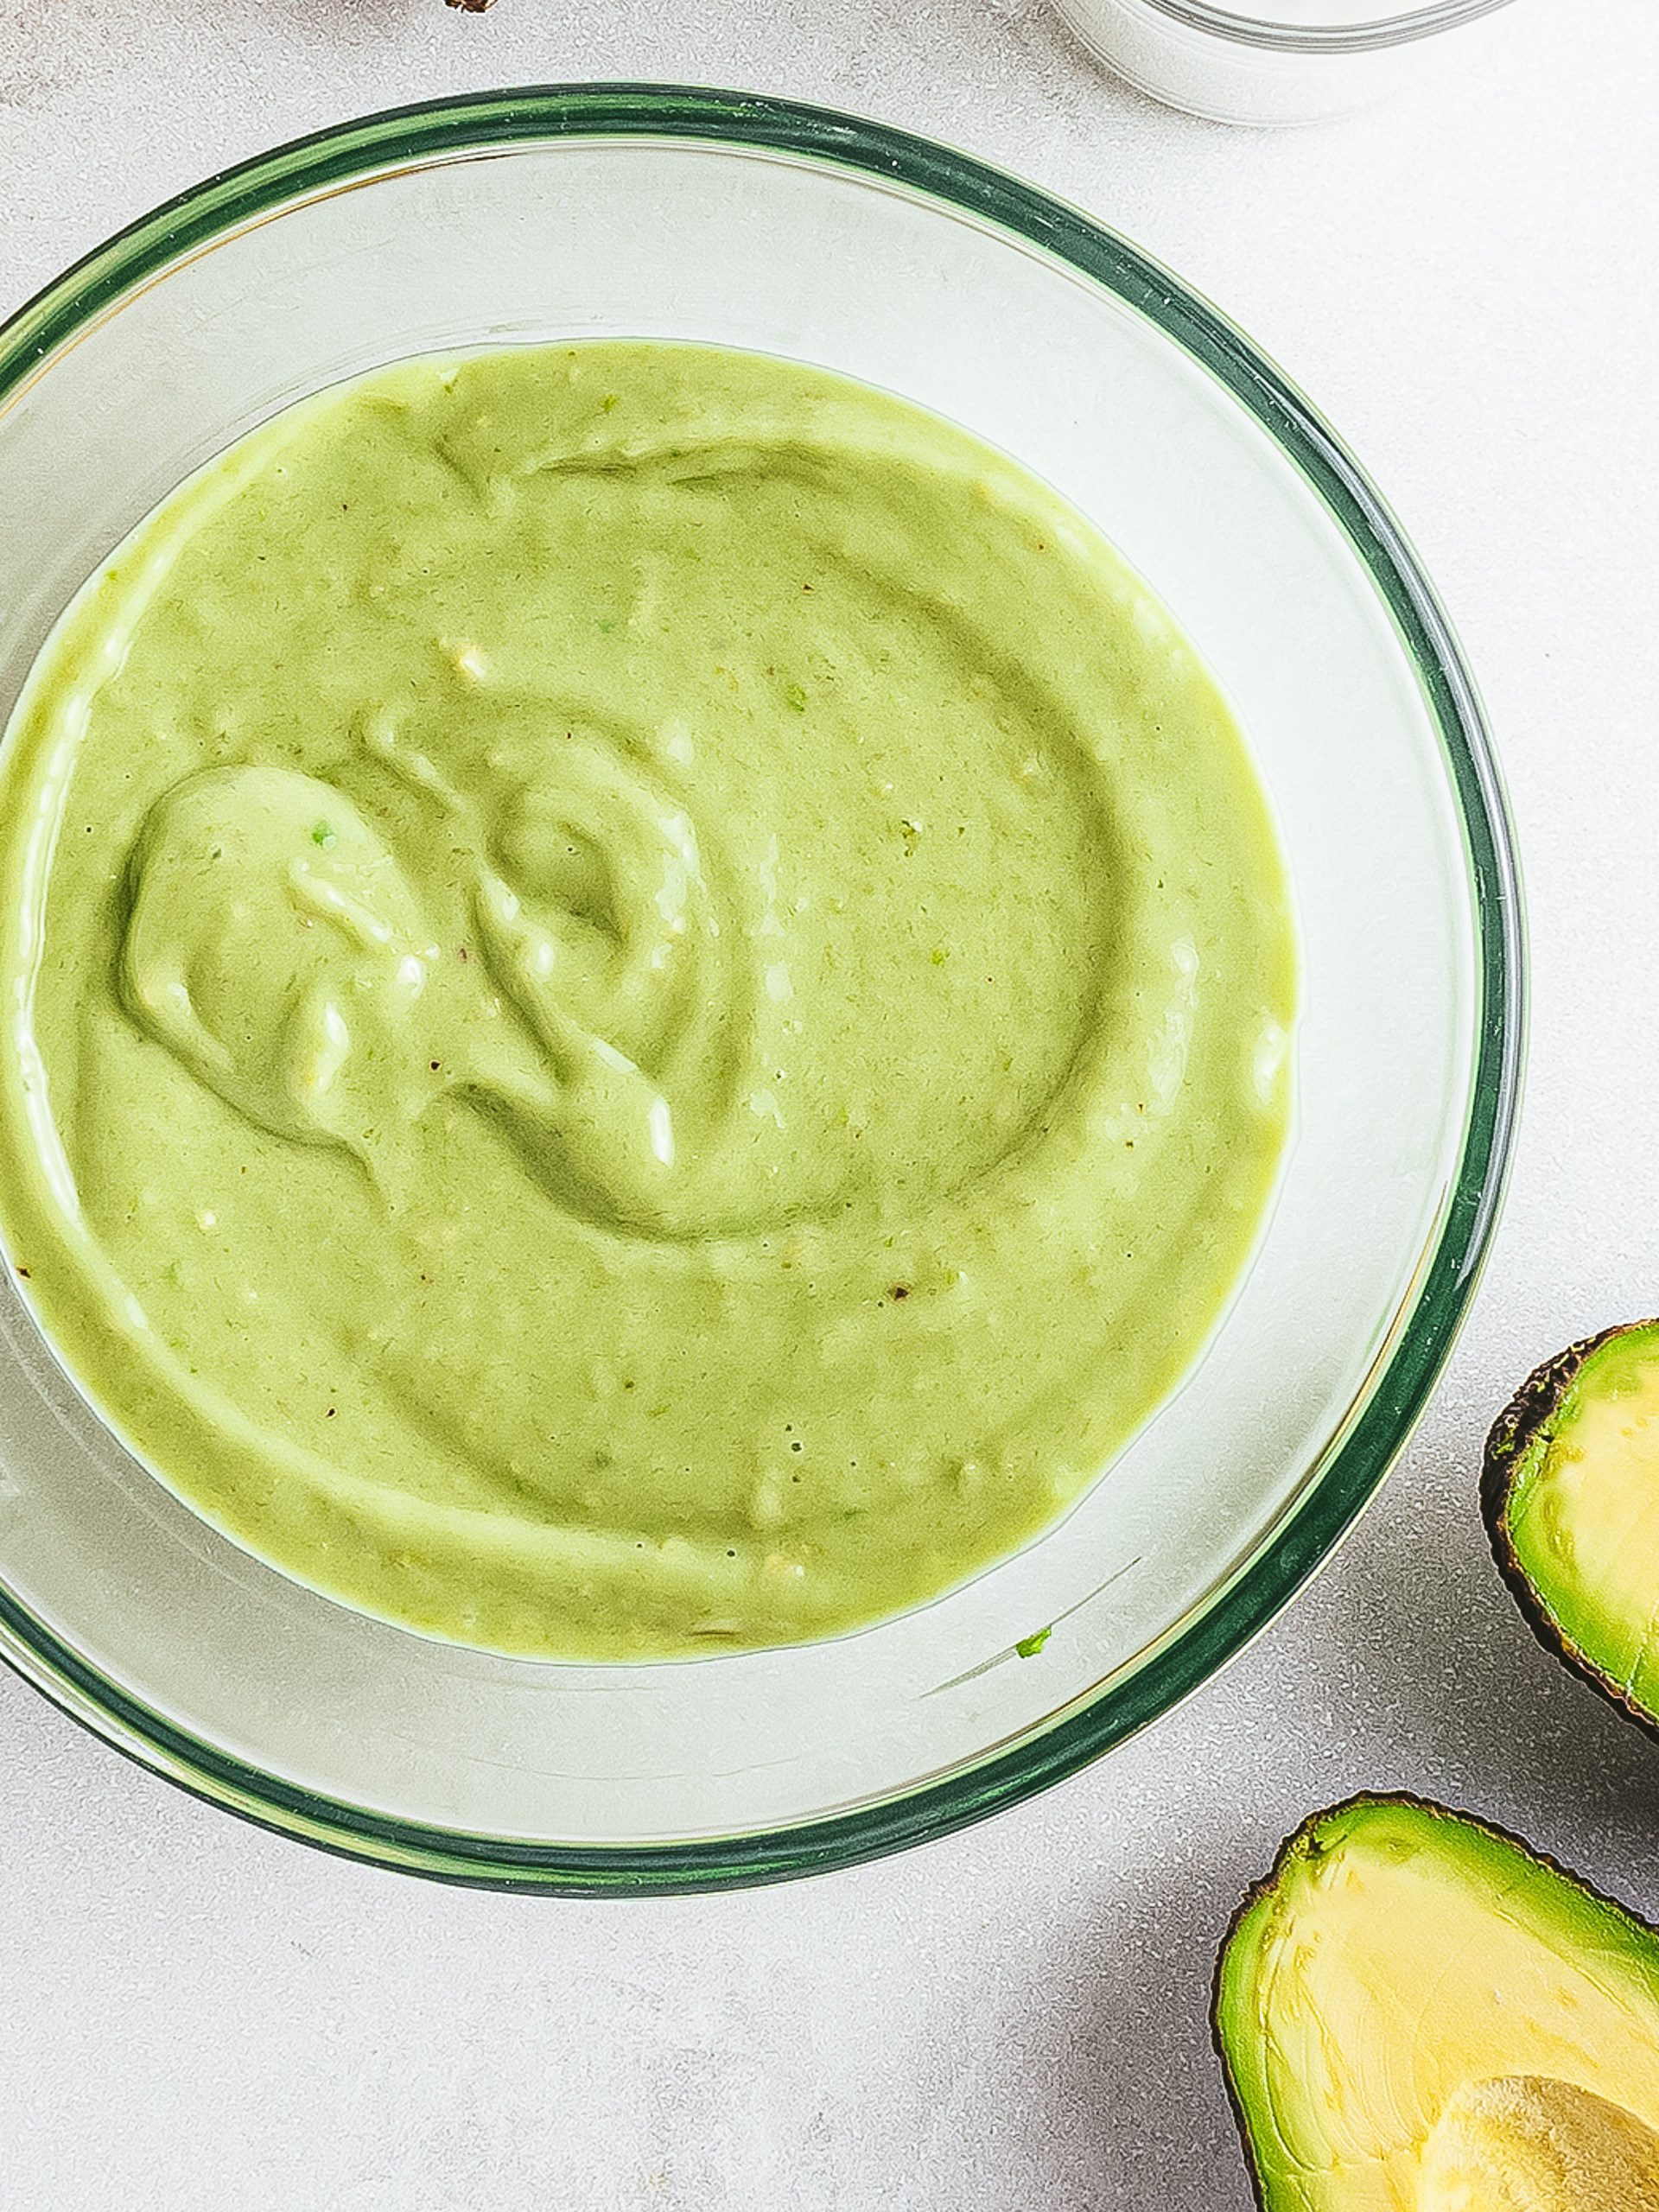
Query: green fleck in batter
(648,1000)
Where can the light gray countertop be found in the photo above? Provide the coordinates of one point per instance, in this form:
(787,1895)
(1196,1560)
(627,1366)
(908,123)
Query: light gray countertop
(198,2016)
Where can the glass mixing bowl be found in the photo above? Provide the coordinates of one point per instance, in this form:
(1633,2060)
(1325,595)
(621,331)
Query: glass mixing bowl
(1267,62)
(596,211)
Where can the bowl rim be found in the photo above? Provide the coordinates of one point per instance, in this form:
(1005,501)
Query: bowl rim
(435,130)
(1392,25)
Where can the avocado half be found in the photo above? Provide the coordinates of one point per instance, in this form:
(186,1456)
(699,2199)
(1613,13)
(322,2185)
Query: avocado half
(1570,1493)
(1417,2012)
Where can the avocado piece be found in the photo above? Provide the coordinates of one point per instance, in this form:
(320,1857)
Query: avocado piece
(1418,2013)
(1570,1494)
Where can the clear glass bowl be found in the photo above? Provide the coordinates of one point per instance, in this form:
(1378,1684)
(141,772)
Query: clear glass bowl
(1266,61)
(682,214)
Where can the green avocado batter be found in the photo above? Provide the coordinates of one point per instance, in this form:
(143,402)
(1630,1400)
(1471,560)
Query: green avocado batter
(647,997)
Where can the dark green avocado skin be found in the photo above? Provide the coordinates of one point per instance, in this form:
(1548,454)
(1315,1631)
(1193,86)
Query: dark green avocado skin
(1524,1422)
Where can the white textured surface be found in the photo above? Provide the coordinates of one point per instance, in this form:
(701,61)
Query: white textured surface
(197,2017)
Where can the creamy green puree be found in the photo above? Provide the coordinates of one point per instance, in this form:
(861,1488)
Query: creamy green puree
(647,1000)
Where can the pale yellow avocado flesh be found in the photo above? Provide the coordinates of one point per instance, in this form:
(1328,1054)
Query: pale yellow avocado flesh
(1418,2015)
(1578,1514)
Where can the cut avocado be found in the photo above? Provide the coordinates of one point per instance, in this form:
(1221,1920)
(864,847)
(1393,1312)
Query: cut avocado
(1570,1490)
(1418,2014)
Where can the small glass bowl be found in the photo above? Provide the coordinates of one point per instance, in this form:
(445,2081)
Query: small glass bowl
(1246,64)
(653,212)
